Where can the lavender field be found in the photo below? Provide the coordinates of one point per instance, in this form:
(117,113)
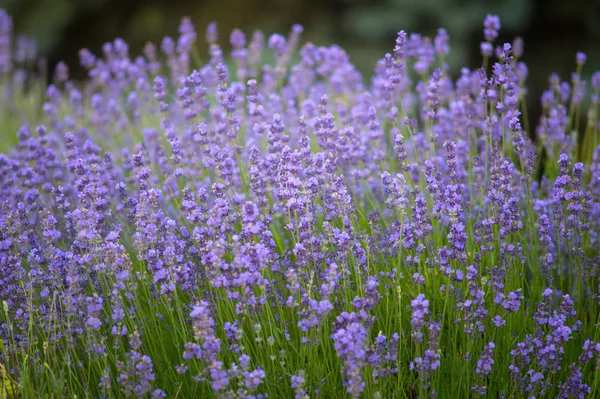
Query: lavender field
(270,223)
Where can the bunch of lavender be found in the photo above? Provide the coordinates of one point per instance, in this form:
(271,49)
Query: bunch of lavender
(253,229)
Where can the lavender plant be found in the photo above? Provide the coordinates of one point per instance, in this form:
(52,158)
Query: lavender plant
(245,229)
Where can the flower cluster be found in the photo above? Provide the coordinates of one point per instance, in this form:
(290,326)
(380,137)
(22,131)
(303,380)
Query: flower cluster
(268,223)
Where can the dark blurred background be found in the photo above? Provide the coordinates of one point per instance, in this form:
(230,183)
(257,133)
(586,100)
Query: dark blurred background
(553,30)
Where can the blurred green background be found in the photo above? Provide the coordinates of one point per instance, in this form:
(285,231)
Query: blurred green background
(553,30)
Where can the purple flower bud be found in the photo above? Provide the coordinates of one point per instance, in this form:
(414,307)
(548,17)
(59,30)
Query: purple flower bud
(212,34)
(491,26)
(278,43)
(441,42)
(420,308)
(486,361)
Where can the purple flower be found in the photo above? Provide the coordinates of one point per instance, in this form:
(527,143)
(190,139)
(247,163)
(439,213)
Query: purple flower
(349,343)
(425,365)
(420,309)
(491,26)
(486,361)
(498,321)
(212,33)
